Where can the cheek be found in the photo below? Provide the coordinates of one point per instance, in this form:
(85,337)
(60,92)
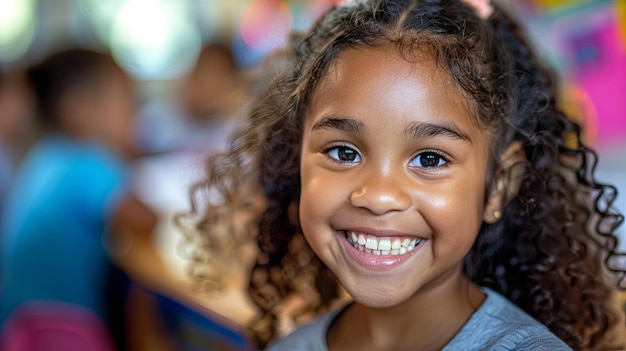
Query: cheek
(455,215)
(312,191)
(451,209)
(320,196)
(311,215)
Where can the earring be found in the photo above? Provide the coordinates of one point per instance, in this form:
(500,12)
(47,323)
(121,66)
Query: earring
(497,214)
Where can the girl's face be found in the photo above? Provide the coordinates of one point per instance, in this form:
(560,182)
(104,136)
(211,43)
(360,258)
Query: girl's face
(392,174)
(117,106)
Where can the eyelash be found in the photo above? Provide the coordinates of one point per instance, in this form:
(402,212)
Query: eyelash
(326,150)
(439,154)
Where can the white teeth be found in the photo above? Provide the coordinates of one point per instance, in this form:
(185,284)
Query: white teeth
(384,244)
(372,243)
(381,246)
(397,244)
(413,244)
(361,240)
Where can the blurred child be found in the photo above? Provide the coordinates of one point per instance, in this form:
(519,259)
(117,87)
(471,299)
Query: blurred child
(203,110)
(413,152)
(176,131)
(15,118)
(72,187)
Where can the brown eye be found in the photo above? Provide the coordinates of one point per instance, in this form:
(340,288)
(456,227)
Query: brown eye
(428,159)
(344,154)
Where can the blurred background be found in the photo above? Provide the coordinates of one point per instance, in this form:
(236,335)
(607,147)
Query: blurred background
(190,62)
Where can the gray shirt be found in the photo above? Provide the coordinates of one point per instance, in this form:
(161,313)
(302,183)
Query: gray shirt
(497,325)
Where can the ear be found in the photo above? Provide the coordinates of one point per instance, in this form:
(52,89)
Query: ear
(506,182)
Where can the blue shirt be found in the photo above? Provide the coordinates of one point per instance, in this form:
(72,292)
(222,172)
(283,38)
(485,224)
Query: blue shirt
(497,325)
(51,234)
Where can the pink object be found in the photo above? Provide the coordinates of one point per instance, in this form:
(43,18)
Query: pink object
(265,24)
(598,66)
(483,8)
(44,326)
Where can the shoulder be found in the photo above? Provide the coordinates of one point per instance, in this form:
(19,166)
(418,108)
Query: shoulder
(65,156)
(92,169)
(89,175)
(97,157)
(311,336)
(499,325)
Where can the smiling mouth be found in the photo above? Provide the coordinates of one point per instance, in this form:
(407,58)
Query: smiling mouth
(381,246)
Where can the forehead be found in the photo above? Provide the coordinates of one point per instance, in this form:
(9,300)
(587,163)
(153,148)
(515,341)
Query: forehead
(383,81)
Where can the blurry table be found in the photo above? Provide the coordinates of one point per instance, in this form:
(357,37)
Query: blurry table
(161,293)
(154,262)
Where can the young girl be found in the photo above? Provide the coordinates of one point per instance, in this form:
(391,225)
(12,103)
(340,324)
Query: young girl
(418,148)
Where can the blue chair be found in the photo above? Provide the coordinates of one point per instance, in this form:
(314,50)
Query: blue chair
(194,331)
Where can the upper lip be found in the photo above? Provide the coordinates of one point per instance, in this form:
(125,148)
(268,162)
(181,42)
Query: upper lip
(381,233)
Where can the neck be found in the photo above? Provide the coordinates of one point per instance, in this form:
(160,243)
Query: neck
(426,321)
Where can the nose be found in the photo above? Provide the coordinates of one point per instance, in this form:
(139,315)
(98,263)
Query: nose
(381,193)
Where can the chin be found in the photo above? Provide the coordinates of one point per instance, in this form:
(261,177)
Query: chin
(379,301)
(379,298)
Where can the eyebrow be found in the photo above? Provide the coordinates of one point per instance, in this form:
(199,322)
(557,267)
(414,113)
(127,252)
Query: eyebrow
(418,130)
(415,130)
(343,124)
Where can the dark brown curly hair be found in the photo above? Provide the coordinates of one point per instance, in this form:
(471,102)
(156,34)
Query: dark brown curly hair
(550,252)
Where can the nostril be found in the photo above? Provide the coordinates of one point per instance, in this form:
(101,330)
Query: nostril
(380,200)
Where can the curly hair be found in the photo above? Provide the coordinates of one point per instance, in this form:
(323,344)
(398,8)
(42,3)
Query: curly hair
(549,254)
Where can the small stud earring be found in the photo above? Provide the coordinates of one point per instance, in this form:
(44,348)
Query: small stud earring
(497,214)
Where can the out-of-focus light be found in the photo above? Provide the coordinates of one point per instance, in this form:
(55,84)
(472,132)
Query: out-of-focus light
(265,24)
(152,39)
(246,57)
(17,28)
(305,13)
(216,18)
(101,15)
